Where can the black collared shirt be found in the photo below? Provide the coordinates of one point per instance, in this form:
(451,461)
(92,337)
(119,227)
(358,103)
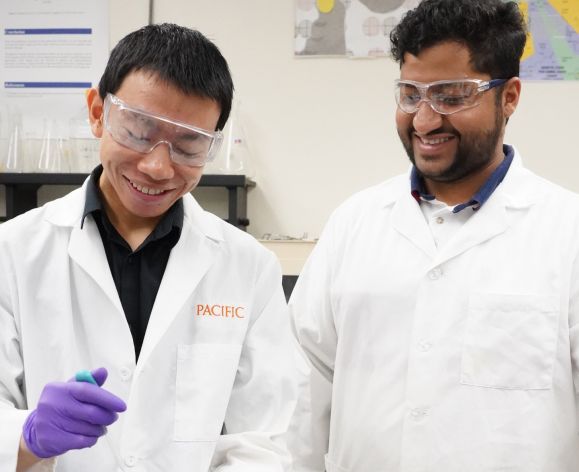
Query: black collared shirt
(137,274)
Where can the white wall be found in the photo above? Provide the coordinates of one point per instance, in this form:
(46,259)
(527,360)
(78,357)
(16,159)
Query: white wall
(321,129)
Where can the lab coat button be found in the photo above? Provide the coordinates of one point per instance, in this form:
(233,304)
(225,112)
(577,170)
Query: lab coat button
(424,346)
(439,220)
(125,373)
(130,461)
(418,413)
(435,273)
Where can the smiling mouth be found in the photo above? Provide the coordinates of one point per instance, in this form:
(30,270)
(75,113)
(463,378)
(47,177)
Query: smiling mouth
(146,190)
(433,141)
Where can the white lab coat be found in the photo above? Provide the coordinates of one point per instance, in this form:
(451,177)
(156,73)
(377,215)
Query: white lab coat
(60,312)
(451,360)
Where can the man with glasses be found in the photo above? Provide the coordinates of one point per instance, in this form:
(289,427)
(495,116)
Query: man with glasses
(137,331)
(439,313)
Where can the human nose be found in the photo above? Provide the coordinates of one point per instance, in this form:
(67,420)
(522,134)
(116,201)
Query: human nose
(157,163)
(426,119)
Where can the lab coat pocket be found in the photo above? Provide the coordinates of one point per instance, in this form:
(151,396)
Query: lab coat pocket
(510,341)
(205,376)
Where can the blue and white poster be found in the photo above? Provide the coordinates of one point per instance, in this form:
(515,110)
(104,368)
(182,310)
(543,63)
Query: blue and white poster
(51,52)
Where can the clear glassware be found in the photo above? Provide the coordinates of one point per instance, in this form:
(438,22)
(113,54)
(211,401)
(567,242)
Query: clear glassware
(13,151)
(234,156)
(52,156)
(84,147)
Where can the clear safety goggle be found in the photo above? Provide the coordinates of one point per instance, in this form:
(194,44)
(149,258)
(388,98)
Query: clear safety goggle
(444,96)
(142,131)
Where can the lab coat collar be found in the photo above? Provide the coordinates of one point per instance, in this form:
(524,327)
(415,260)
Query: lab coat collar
(85,246)
(516,192)
(408,220)
(204,222)
(68,212)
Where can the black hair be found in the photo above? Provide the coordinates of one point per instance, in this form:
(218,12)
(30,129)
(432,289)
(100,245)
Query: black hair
(177,55)
(493,30)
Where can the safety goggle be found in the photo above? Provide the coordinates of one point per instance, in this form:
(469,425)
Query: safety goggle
(142,131)
(444,96)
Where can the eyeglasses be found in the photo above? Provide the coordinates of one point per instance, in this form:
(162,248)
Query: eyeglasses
(444,96)
(142,131)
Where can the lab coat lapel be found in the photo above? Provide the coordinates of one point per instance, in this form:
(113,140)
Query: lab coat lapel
(86,249)
(514,193)
(488,222)
(408,220)
(190,259)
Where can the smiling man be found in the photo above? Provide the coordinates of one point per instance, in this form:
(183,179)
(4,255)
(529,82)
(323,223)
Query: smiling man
(111,277)
(439,313)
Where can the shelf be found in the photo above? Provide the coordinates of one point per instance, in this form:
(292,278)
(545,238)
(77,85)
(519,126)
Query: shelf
(22,188)
(291,253)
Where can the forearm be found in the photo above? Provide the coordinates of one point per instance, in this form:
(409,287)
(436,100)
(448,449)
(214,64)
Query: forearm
(25,458)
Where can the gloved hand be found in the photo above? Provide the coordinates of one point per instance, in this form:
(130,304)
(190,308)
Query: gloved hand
(71,415)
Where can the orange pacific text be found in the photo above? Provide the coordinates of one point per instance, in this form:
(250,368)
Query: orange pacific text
(223,311)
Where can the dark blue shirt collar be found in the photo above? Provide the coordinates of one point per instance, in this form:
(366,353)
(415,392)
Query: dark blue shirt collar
(418,189)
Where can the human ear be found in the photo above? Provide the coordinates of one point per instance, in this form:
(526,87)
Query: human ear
(511,95)
(95,111)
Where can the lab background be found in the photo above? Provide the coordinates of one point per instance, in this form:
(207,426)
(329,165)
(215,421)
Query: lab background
(321,129)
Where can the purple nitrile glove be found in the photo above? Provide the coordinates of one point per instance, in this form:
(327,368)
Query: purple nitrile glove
(71,415)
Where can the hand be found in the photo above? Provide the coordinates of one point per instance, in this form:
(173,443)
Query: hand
(71,415)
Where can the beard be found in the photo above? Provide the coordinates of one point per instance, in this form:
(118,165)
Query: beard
(475,151)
